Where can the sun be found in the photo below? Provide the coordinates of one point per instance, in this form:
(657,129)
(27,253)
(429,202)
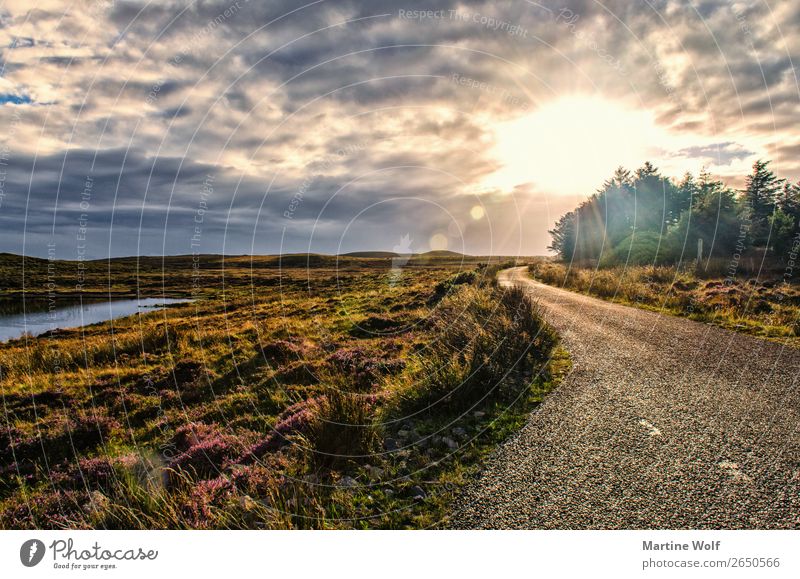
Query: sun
(572,144)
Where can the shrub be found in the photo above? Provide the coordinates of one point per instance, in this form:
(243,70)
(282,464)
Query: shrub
(641,248)
(300,372)
(364,369)
(205,458)
(297,419)
(104,472)
(283,351)
(483,335)
(203,450)
(204,499)
(443,288)
(344,429)
(61,438)
(376,326)
(60,509)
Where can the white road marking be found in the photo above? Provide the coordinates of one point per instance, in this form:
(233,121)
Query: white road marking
(649,426)
(735,471)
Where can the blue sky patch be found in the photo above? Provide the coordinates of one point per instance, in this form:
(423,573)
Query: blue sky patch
(14,99)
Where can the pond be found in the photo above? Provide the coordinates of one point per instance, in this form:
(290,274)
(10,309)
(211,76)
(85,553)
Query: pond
(36,317)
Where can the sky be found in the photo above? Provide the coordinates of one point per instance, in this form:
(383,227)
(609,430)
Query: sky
(239,127)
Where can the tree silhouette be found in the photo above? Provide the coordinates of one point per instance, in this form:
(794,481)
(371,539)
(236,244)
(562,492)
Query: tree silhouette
(760,195)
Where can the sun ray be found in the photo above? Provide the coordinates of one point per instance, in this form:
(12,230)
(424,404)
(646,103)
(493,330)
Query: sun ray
(572,144)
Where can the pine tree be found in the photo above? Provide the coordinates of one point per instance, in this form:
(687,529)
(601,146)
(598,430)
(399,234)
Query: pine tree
(621,178)
(564,236)
(658,202)
(714,218)
(785,221)
(645,171)
(789,200)
(760,195)
(685,194)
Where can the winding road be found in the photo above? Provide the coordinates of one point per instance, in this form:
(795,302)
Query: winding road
(662,423)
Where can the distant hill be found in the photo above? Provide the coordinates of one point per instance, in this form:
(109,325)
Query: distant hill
(372,254)
(443,253)
(390,254)
(13,259)
(157,262)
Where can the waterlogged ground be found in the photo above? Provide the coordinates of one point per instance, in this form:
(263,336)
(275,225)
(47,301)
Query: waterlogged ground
(290,394)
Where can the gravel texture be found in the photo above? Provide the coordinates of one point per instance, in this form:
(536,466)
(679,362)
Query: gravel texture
(662,423)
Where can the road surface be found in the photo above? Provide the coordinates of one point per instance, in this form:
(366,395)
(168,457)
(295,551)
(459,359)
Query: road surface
(662,423)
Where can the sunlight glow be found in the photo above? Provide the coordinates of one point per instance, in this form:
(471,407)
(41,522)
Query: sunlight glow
(571,145)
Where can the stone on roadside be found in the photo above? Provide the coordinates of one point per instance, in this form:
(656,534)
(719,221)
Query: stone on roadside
(347,482)
(450,443)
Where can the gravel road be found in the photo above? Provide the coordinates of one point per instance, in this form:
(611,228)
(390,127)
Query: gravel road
(662,423)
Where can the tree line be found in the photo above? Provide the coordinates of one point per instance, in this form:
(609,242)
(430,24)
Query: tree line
(645,217)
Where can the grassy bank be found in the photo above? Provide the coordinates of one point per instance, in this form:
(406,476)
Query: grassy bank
(349,394)
(767,307)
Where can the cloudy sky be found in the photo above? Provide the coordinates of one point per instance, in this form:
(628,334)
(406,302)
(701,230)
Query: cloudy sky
(134,127)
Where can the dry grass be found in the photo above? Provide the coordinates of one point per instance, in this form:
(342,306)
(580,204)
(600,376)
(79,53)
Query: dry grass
(767,308)
(270,404)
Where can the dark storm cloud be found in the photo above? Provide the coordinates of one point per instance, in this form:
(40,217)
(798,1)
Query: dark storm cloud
(115,191)
(133,203)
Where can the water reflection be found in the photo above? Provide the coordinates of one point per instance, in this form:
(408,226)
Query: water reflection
(36,316)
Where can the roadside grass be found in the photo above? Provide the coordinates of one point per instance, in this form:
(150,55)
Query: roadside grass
(323,397)
(767,308)
(441,471)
